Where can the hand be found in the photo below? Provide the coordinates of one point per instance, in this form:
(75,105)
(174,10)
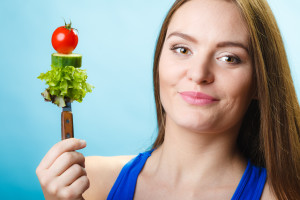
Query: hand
(62,172)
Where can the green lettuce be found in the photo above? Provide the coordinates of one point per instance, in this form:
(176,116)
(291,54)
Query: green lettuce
(66,84)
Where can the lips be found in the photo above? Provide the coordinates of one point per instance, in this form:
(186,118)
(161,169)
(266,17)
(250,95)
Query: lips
(197,98)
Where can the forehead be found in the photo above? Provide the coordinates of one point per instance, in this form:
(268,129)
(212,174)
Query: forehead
(210,20)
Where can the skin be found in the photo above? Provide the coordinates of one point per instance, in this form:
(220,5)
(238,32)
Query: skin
(199,158)
(61,172)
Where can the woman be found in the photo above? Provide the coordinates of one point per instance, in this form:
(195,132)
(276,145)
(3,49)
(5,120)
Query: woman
(227,113)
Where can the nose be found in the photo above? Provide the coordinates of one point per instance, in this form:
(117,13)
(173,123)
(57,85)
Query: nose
(201,71)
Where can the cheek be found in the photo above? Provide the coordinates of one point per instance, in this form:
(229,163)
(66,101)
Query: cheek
(170,75)
(170,71)
(243,88)
(166,82)
(238,87)
(167,73)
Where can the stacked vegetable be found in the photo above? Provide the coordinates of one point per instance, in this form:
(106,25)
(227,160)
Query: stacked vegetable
(67,83)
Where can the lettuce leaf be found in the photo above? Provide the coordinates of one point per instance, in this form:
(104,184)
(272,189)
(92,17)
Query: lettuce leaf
(65,84)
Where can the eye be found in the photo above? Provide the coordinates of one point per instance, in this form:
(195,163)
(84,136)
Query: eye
(181,50)
(230,59)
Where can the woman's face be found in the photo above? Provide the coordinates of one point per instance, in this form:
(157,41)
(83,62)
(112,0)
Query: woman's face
(206,53)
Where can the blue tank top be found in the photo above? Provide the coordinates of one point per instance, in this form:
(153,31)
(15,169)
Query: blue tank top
(250,187)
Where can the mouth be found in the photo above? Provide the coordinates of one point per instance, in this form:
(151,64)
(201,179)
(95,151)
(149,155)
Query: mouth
(197,98)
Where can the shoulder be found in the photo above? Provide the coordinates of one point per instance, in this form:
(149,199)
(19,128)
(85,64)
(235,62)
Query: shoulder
(268,193)
(102,173)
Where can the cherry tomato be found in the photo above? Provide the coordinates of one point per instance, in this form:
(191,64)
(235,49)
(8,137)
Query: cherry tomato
(64,39)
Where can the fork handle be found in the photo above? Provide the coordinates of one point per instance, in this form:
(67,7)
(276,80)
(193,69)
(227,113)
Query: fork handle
(67,130)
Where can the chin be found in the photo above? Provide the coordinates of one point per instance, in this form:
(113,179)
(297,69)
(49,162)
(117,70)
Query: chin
(195,124)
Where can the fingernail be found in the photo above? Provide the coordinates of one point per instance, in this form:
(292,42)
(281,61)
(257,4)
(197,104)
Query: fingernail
(82,142)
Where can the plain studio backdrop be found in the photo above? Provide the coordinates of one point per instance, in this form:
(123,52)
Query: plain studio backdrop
(117,40)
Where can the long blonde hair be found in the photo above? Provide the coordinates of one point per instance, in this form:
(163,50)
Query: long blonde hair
(270,133)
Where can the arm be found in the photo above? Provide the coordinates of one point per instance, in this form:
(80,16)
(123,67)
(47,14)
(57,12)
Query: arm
(102,173)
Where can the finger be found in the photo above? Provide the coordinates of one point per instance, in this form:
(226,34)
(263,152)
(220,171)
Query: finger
(71,175)
(66,160)
(76,189)
(59,148)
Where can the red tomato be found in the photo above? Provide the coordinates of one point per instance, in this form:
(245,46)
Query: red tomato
(64,39)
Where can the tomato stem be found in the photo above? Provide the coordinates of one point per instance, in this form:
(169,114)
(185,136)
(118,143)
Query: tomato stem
(69,26)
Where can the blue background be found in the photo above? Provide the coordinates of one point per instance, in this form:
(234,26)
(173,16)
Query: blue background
(117,40)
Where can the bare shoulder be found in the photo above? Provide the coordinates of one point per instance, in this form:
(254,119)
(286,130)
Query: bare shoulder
(102,172)
(268,193)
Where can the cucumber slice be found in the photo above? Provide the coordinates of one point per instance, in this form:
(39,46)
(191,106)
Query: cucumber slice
(62,60)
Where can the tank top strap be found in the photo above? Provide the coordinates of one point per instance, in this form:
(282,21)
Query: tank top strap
(252,183)
(124,186)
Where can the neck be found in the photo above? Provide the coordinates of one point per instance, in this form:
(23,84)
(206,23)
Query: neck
(202,157)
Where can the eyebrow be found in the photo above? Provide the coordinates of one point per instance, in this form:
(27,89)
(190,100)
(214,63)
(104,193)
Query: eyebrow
(233,44)
(220,44)
(184,36)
